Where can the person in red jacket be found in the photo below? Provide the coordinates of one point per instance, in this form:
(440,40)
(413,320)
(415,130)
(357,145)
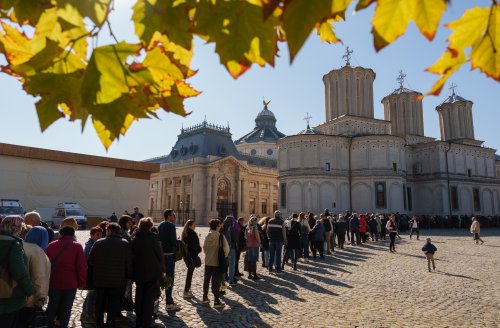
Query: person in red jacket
(68,273)
(362,227)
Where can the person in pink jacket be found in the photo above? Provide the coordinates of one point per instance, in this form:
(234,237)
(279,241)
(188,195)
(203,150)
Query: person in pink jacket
(68,273)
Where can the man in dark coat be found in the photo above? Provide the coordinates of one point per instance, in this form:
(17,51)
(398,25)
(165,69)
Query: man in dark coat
(168,239)
(147,258)
(354,229)
(110,266)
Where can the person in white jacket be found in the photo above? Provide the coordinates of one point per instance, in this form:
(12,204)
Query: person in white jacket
(35,242)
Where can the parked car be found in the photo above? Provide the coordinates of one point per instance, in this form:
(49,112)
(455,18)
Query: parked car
(69,209)
(10,207)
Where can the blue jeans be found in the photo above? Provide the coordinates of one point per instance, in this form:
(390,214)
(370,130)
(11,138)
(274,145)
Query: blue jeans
(60,304)
(275,248)
(89,303)
(169,272)
(231,259)
(305,246)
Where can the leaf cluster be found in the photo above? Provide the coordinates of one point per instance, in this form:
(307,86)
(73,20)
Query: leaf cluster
(50,47)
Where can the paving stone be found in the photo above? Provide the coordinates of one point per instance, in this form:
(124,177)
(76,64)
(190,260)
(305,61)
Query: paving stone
(359,286)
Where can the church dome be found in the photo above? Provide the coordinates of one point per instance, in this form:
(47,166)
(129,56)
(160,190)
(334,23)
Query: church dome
(265,128)
(309,130)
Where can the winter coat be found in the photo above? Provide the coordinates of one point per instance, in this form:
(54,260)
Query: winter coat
(110,262)
(70,269)
(252,235)
(276,230)
(88,247)
(318,232)
(211,248)
(340,227)
(12,252)
(168,237)
(264,241)
(475,227)
(354,224)
(147,257)
(362,224)
(39,269)
(294,236)
(193,244)
(372,224)
(429,248)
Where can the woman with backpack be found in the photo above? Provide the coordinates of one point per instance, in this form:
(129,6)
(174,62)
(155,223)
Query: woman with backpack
(13,261)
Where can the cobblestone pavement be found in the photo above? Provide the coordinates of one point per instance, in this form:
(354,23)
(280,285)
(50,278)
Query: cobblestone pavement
(362,286)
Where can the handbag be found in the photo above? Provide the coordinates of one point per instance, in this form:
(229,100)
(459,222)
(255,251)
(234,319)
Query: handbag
(197,262)
(222,257)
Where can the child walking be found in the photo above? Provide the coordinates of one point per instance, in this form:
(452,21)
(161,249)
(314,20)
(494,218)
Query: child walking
(429,249)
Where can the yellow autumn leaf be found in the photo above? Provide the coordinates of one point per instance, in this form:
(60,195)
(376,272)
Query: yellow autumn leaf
(445,66)
(485,55)
(390,20)
(326,33)
(468,29)
(427,16)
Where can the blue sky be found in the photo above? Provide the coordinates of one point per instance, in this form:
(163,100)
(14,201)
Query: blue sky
(293,90)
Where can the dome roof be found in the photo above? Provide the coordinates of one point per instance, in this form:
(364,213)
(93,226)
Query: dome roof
(309,130)
(265,113)
(265,128)
(454,98)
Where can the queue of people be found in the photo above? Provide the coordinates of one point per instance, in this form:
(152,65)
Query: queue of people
(120,256)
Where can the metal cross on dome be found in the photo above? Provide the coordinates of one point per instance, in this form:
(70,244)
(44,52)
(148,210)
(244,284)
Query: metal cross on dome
(401,79)
(307,118)
(347,56)
(453,87)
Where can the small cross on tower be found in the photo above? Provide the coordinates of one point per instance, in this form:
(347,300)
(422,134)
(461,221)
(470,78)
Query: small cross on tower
(347,56)
(401,79)
(453,87)
(307,119)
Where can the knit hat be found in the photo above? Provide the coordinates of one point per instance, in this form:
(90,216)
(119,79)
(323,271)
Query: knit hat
(39,236)
(70,222)
(11,224)
(67,231)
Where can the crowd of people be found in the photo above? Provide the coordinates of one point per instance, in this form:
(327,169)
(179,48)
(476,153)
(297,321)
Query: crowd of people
(41,269)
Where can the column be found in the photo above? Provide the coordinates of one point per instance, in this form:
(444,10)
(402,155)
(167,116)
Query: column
(182,191)
(209,194)
(244,195)
(270,199)
(214,193)
(192,193)
(159,194)
(238,196)
(258,208)
(173,205)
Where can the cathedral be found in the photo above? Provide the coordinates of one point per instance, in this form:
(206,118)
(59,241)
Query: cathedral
(351,162)
(358,163)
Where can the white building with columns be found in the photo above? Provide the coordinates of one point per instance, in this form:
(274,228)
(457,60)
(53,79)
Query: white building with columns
(207,176)
(358,163)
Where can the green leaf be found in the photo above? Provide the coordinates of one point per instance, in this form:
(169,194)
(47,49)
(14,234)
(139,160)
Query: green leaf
(300,18)
(106,75)
(234,26)
(96,10)
(169,17)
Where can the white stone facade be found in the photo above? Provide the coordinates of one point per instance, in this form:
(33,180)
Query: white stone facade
(358,163)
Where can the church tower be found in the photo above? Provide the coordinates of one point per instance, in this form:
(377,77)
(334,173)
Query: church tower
(403,108)
(455,118)
(349,91)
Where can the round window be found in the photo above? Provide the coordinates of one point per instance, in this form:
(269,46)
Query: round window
(253,152)
(269,151)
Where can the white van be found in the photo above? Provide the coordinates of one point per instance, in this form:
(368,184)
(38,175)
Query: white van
(10,207)
(69,209)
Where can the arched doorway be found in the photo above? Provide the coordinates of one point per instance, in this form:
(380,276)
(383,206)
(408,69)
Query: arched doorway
(224,206)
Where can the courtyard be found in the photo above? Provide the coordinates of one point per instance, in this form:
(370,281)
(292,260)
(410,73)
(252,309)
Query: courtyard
(361,286)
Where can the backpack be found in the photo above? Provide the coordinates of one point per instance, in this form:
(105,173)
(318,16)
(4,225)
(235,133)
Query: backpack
(180,250)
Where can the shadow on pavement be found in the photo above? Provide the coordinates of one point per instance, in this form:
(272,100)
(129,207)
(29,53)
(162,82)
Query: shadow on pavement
(456,275)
